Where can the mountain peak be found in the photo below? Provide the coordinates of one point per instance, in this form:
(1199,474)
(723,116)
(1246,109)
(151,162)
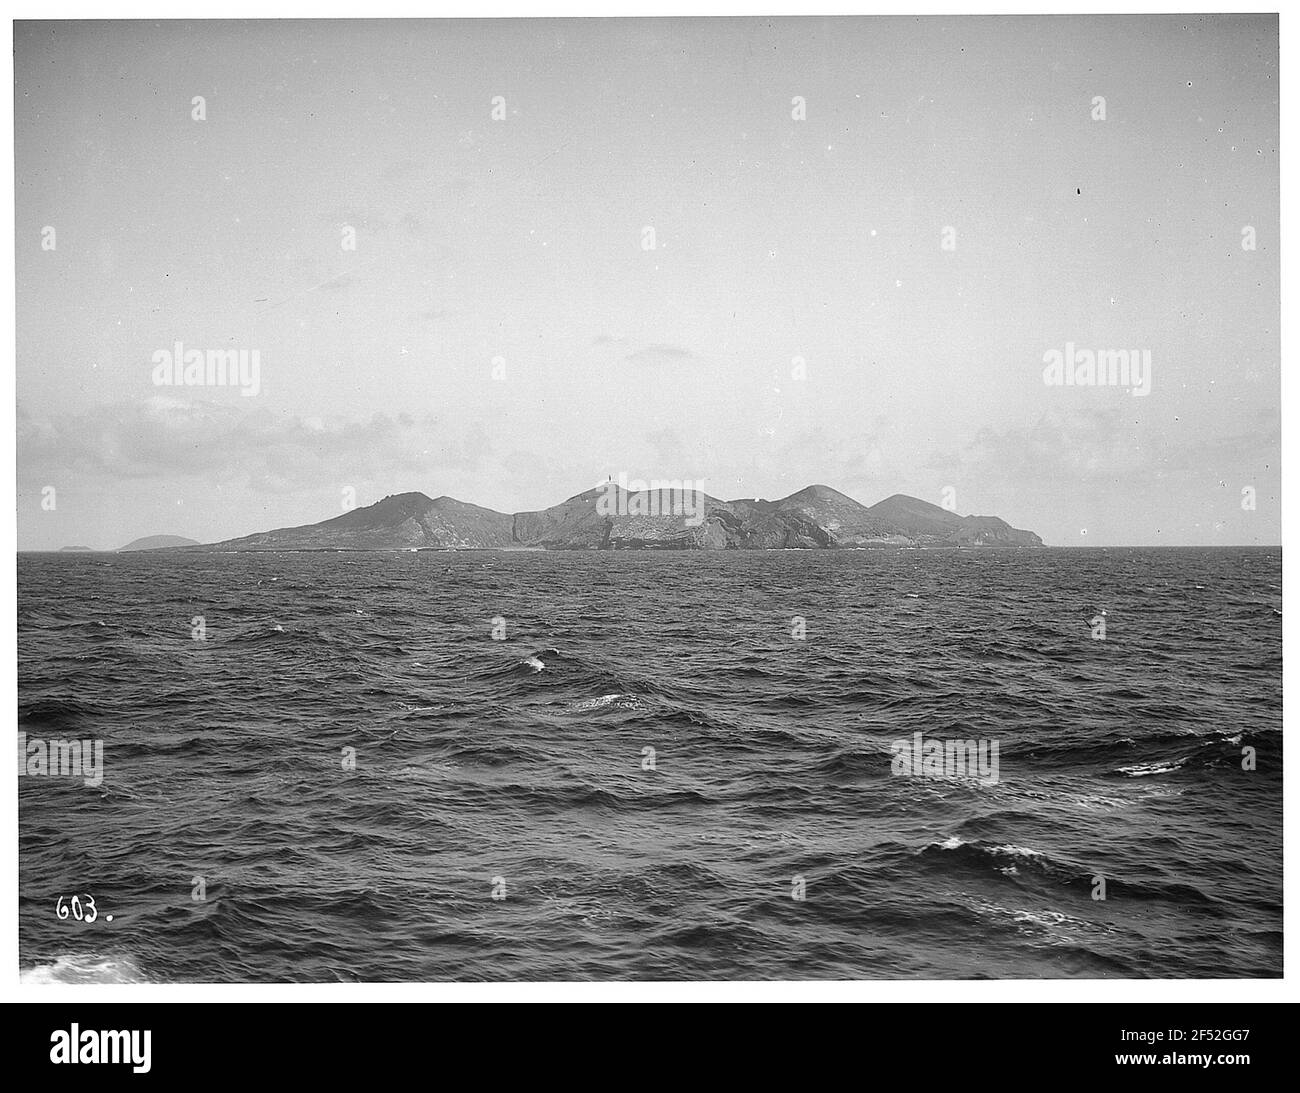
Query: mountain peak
(909,500)
(817,492)
(412,497)
(899,505)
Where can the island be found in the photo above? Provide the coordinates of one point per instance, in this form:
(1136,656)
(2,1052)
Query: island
(610,517)
(157,542)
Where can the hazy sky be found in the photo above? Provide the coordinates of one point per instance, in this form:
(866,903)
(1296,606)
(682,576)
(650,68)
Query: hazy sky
(503,334)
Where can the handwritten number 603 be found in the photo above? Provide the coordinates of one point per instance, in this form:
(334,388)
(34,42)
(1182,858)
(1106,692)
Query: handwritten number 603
(82,913)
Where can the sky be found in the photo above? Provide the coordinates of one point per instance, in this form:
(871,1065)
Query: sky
(505,259)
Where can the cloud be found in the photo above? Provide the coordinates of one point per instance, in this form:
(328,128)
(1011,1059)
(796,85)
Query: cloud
(668,447)
(1089,447)
(659,353)
(168,438)
(372,221)
(646,354)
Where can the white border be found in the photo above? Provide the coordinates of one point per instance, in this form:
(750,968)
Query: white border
(983,991)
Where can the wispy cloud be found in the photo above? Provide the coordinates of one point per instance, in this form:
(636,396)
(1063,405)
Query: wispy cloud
(169,438)
(659,353)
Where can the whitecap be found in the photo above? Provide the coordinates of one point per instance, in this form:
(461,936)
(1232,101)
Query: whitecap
(615,701)
(1016,851)
(84,968)
(1141,770)
(597,703)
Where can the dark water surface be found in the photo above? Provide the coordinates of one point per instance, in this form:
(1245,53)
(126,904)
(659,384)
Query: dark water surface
(522,759)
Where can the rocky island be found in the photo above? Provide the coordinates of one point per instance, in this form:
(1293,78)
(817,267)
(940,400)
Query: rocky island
(610,518)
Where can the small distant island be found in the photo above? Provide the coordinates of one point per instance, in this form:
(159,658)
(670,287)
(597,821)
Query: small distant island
(158,542)
(612,518)
(149,542)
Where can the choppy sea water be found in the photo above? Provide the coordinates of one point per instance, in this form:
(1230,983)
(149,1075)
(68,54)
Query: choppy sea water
(516,768)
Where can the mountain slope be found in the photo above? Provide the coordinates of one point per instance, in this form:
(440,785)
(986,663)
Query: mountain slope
(401,521)
(614,519)
(815,517)
(828,518)
(929,524)
(917,517)
(992,531)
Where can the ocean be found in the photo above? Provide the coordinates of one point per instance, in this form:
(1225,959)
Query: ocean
(651,766)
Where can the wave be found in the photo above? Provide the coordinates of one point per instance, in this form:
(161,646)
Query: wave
(1143,770)
(614,701)
(266,631)
(1005,858)
(541,660)
(57,712)
(84,968)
